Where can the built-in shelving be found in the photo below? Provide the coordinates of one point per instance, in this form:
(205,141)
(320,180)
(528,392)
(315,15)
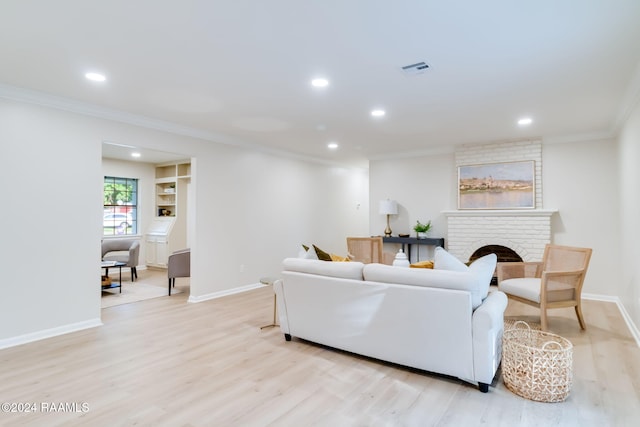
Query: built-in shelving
(168,185)
(172,181)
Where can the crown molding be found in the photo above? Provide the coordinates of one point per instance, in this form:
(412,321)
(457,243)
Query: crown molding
(432,151)
(629,102)
(579,137)
(450,148)
(66,104)
(30,96)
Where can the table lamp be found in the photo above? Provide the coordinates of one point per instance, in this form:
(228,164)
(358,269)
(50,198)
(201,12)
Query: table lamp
(388,207)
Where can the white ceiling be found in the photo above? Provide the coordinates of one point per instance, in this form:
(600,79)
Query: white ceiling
(239,71)
(113,150)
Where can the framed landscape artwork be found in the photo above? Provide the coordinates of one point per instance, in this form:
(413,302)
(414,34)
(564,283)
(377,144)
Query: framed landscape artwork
(497,186)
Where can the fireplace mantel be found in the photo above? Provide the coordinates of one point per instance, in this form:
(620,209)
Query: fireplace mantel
(500,212)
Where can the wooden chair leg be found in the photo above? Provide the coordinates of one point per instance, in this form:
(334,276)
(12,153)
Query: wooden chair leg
(543,319)
(580,318)
(169,286)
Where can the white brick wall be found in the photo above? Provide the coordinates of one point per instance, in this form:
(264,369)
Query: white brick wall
(524,231)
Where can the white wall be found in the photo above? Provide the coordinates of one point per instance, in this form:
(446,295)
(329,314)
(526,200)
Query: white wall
(260,208)
(629,177)
(51,220)
(579,179)
(422,186)
(252,209)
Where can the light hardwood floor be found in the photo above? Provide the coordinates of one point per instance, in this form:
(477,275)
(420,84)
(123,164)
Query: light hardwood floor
(167,362)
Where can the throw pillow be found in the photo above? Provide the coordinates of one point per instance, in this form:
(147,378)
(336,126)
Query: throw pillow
(422,264)
(484,268)
(443,260)
(322,255)
(309,254)
(302,253)
(338,258)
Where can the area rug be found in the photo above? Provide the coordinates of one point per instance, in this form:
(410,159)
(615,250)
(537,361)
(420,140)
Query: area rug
(133,292)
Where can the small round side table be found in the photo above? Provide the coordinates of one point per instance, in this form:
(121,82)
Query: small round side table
(269,281)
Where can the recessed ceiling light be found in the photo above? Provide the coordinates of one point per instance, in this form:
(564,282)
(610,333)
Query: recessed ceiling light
(95,77)
(332,145)
(378,113)
(525,121)
(135,154)
(320,82)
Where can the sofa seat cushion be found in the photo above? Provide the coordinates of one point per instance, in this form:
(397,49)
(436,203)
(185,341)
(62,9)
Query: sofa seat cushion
(529,289)
(526,287)
(445,279)
(345,270)
(122,257)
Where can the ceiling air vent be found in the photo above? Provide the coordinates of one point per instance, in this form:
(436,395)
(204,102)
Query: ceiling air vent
(417,68)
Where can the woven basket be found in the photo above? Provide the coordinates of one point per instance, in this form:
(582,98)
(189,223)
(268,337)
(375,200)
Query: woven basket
(537,365)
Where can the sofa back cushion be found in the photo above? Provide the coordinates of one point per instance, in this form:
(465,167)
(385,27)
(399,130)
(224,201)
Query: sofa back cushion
(445,279)
(345,270)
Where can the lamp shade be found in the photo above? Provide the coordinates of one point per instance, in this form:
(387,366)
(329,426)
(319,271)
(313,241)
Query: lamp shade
(388,207)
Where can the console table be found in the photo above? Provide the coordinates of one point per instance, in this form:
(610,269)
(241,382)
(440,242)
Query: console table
(409,241)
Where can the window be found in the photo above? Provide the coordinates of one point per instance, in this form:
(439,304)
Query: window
(120,206)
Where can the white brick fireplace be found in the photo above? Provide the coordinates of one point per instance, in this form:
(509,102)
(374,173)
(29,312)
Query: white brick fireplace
(524,231)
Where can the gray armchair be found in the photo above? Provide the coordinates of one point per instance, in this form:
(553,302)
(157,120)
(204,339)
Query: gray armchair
(130,258)
(179,265)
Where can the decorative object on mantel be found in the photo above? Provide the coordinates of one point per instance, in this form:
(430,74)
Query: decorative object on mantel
(401,259)
(497,186)
(422,229)
(388,207)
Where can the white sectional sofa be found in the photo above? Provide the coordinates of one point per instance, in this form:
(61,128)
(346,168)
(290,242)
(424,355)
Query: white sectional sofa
(439,320)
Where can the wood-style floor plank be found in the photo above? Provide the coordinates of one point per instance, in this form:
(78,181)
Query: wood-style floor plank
(167,362)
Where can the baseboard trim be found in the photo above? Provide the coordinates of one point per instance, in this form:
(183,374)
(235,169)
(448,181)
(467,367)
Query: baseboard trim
(226,292)
(635,332)
(49,333)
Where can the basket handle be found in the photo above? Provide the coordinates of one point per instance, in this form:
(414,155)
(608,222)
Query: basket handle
(523,322)
(551,342)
